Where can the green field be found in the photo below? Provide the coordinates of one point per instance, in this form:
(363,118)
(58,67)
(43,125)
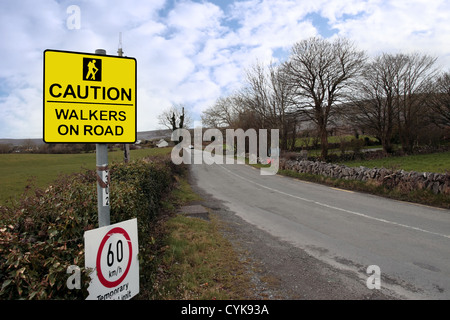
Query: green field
(301,142)
(17,169)
(434,162)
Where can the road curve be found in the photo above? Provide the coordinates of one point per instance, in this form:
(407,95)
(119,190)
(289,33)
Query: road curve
(349,230)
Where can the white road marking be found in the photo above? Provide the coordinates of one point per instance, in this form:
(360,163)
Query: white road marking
(337,208)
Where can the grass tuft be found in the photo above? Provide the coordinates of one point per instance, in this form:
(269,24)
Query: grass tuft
(193,260)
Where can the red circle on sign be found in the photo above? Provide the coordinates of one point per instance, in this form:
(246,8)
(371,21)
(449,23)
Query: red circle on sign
(106,283)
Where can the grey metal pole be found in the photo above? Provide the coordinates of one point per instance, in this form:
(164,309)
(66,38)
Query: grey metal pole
(102,177)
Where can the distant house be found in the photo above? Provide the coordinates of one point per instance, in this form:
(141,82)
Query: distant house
(162,143)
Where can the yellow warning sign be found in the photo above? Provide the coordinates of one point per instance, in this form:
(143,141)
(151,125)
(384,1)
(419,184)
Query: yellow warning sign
(89,98)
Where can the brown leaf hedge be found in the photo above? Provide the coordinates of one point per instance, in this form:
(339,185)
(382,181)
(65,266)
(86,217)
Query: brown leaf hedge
(42,234)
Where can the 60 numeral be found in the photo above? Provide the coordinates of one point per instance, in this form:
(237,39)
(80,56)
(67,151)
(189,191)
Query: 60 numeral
(119,253)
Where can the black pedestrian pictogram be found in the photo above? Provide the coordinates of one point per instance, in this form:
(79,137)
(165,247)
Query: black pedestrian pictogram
(92,69)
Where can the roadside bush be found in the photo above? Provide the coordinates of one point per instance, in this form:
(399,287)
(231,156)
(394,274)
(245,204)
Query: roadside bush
(42,235)
(356,145)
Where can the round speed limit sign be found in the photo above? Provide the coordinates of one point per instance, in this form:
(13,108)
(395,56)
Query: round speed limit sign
(114,257)
(111,252)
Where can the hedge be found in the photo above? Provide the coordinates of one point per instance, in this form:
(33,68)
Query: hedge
(42,234)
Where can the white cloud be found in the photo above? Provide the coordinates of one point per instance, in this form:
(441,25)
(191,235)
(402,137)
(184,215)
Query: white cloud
(337,9)
(194,51)
(400,26)
(21,113)
(189,16)
(272,24)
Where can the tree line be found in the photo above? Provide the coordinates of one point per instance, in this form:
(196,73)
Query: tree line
(324,82)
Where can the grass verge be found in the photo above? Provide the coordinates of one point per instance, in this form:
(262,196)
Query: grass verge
(192,260)
(425,197)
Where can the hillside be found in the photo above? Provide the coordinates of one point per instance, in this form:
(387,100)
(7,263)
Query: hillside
(144,135)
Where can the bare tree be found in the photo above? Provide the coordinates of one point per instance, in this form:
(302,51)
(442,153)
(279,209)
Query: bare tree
(175,117)
(254,96)
(391,97)
(29,145)
(267,94)
(282,109)
(245,109)
(439,100)
(5,147)
(223,114)
(372,105)
(321,74)
(415,75)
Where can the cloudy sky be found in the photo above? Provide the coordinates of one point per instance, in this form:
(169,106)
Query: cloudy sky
(193,51)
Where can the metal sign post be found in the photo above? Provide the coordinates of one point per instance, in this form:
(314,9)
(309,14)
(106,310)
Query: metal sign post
(102,185)
(102,177)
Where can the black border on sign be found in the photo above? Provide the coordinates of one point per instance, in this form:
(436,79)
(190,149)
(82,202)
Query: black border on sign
(100,56)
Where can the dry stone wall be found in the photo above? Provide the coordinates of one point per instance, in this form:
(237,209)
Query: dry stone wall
(403,180)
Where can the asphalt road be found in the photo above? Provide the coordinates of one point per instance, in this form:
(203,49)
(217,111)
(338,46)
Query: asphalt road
(348,231)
